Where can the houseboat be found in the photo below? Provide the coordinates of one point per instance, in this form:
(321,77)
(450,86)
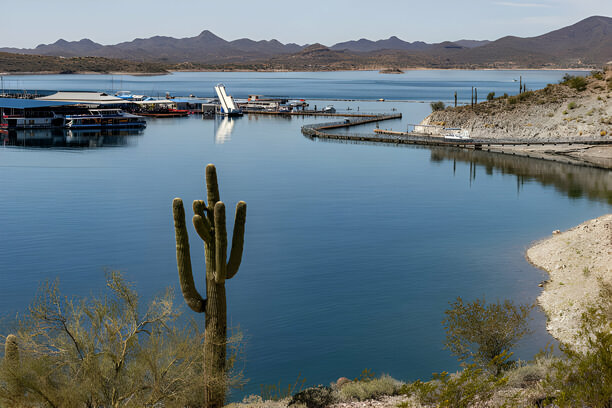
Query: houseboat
(105,118)
(33,120)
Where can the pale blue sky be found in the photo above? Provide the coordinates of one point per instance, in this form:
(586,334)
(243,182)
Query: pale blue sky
(27,23)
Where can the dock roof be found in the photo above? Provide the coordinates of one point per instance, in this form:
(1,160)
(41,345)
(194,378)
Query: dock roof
(84,97)
(18,103)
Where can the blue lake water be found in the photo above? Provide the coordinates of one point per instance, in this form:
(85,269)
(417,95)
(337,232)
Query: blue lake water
(352,251)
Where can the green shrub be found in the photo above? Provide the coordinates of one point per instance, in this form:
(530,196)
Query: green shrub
(437,106)
(315,397)
(370,389)
(277,392)
(513,100)
(490,96)
(483,332)
(456,391)
(107,351)
(578,83)
(572,105)
(527,375)
(597,74)
(584,377)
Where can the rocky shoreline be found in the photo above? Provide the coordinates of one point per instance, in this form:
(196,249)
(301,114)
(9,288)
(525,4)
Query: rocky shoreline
(575,260)
(558,112)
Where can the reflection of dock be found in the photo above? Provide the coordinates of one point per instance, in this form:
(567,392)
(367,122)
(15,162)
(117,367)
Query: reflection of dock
(70,138)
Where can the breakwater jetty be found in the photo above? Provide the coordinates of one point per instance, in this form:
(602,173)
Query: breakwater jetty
(318,130)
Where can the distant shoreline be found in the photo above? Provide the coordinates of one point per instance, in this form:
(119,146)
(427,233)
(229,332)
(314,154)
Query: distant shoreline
(281,70)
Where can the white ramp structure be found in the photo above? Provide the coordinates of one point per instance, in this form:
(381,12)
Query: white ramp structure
(228,106)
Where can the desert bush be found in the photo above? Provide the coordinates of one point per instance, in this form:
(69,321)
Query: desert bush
(459,390)
(437,106)
(315,397)
(572,105)
(255,401)
(584,377)
(103,352)
(277,392)
(526,375)
(490,96)
(483,332)
(370,389)
(578,83)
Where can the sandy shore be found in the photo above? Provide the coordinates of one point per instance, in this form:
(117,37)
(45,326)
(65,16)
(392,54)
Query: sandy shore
(575,260)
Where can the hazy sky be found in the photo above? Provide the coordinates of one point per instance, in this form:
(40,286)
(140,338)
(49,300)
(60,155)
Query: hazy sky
(27,23)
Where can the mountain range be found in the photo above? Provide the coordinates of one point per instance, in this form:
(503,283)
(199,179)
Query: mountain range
(586,43)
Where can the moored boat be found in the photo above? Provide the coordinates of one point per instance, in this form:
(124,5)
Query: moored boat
(456,134)
(105,118)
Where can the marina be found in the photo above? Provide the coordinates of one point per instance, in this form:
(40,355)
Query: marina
(308,212)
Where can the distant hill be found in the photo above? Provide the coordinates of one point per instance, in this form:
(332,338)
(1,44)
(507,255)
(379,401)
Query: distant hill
(205,47)
(14,63)
(392,43)
(471,43)
(587,43)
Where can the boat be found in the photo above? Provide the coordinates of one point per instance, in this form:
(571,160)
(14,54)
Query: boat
(456,134)
(105,118)
(33,120)
(329,109)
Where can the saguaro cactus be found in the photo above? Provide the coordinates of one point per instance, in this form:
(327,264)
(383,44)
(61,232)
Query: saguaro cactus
(209,222)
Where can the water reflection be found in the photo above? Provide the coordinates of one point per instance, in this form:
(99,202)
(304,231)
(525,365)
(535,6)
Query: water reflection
(70,138)
(574,181)
(223,129)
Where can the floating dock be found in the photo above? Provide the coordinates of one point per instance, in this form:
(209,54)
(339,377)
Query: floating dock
(395,137)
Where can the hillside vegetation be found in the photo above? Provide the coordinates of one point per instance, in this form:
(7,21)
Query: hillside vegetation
(21,63)
(577,109)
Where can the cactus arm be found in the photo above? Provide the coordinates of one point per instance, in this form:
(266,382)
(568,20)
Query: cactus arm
(212,188)
(220,242)
(237,241)
(202,227)
(183,259)
(199,208)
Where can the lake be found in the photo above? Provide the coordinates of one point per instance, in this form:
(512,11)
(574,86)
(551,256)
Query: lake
(352,251)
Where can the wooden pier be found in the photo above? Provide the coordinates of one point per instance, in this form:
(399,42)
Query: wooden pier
(314,113)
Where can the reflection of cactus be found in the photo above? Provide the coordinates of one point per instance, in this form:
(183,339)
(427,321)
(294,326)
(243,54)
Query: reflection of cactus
(209,222)
(11,349)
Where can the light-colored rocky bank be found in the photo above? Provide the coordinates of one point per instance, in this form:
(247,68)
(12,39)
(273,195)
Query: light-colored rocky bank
(576,260)
(555,113)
